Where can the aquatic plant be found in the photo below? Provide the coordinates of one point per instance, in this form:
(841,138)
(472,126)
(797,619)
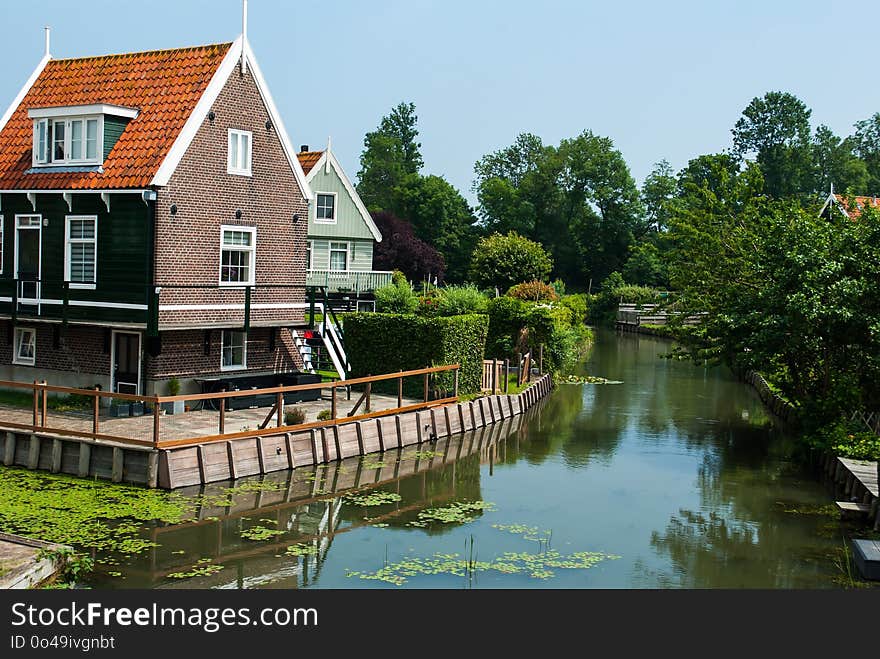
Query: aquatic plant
(459,512)
(204,567)
(259,532)
(378,498)
(301,549)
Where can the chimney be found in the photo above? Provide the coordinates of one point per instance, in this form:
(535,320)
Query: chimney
(304,148)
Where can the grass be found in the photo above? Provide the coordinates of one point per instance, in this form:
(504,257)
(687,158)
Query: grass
(60,403)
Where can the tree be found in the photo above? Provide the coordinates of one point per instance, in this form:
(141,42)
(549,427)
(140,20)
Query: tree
(400,249)
(776,128)
(504,260)
(835,163)
(390,154)
(439,216)
(645,266)
(658,191)
(601,203)
(866,142)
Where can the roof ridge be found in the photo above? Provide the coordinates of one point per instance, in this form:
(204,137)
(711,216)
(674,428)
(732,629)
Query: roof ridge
(228,44)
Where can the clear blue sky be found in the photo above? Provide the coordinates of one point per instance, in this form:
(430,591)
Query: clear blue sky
(662,79)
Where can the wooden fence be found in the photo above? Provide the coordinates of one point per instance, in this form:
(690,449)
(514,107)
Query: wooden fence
(88,422)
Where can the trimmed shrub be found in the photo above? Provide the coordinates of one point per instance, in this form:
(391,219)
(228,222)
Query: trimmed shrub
(324,415)
(507,317)
(534,291)
(396,297)
(504,261)
(383,343)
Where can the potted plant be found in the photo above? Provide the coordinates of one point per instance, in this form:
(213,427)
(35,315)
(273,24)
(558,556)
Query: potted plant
(174,407)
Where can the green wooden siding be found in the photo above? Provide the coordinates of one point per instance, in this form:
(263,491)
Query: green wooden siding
(113,127)
(360,254)
(349,222)
(122,252)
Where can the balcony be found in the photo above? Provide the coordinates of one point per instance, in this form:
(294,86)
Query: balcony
(336,281)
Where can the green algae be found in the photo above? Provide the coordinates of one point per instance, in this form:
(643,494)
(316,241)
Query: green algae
(85,513)
(301,549)
(260,532)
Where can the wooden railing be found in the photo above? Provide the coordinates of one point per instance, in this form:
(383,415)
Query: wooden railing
(495,376)
(88,419)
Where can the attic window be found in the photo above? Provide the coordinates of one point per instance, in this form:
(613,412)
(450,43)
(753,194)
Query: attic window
(68,141)
(239,158)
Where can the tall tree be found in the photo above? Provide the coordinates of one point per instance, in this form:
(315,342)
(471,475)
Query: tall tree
(441,217)
(776,128)
(391,153)
(867,147)
(658,191)
(835,163)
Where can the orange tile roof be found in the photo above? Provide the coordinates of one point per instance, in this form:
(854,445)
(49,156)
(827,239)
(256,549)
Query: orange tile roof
(861,203)
(309,159)
(164,85)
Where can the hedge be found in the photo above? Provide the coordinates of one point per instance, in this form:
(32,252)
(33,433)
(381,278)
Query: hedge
(379,343)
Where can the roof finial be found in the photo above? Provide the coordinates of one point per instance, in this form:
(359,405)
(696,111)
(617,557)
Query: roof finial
(243,36)
(48,40)
(327,157)
(832,188)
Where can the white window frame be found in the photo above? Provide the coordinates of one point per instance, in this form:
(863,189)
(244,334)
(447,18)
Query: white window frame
(335,207)
(330,251)
(16,347)
(68,160)
(2,251)
(41,157)
(68,241)
(310,253)
(252,248)
(235,367)
(239,168)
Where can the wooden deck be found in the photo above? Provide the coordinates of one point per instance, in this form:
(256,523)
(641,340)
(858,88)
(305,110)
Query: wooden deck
(859,484)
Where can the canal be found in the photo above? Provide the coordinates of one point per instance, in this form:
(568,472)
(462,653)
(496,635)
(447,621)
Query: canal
(673,478)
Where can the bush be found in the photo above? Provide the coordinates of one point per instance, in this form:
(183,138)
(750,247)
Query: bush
(461,300)
(534,291)
(558,286)
(603,310)
(507,317)
(503,261)
(396,297)
(847,440)
(384,343)
(294,416)
(578,305)
(325,415)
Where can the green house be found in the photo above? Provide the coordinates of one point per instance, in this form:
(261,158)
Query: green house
(341,234)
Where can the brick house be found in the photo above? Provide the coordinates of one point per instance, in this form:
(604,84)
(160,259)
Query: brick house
(153,220)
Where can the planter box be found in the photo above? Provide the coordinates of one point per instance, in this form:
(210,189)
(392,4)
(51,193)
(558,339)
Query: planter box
(136,409)
(174,407)
(120,410)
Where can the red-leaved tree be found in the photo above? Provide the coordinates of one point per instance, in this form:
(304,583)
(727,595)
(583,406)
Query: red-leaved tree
(400,249)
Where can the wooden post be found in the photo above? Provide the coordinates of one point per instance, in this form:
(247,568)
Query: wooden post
(279,402)
(455,382)
(368,391)
(518,369)
(96,402)
(494,376)
(36,403)
(43,404)
(333,405)
(506,376)
(426,386)
(222,428)
(155,422)
(541,359)
(400,391)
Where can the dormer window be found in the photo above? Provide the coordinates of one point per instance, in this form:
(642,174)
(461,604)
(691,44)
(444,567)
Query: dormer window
(75,135)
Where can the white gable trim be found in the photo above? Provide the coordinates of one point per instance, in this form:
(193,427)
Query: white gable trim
(277,123)
(24,90)
(197,118)
(832,200)
(368,220)
(239,48)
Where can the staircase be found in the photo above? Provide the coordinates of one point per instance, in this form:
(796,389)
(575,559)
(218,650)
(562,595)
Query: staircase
(322,348)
